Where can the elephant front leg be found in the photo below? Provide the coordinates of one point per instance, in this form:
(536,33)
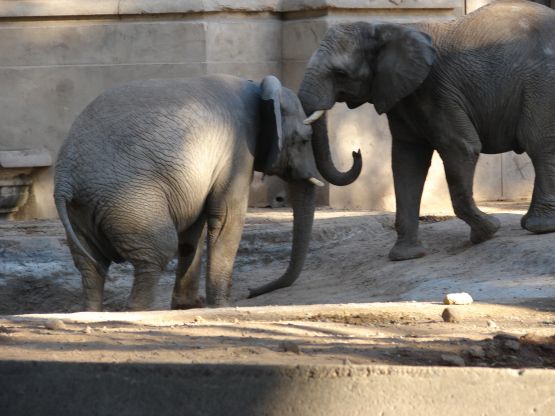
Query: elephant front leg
(187,275)
(460,163)
(224,234)
(410,163)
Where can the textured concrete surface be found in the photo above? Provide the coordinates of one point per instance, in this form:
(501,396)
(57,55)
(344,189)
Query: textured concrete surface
(24,158)
(58,55)
(127,389)
(66,8)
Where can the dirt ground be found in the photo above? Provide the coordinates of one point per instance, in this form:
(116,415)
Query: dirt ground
(332,314)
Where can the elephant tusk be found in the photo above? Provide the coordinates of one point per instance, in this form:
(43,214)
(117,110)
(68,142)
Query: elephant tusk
(314,116)
(315,181)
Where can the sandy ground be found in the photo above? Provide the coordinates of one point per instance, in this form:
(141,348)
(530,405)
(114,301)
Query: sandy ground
(511,278)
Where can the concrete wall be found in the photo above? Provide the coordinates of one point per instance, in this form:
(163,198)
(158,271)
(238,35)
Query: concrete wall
(57,55)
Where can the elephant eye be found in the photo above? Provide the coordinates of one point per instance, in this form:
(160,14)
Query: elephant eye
(340,73)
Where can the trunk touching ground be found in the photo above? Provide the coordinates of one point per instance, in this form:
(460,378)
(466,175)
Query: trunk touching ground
(320,142)
(302,195)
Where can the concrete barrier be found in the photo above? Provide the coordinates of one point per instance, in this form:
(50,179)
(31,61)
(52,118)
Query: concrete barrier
(54,388)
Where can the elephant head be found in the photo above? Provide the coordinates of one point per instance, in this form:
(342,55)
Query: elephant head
(284,148)
(358,63)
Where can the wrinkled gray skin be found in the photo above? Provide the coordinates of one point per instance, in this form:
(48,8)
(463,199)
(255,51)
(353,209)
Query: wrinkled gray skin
(151,168)
(484,83)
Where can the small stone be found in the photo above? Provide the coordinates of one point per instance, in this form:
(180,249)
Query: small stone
(462,298)
(452,315)
(346,361)
(512,345)
(199,319)
(55,324)
(491,324)
(453,359)
(476,352)
(87,330)
(289,346)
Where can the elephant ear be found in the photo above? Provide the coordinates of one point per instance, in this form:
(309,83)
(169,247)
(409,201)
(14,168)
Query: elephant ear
(404,60)
(270,139)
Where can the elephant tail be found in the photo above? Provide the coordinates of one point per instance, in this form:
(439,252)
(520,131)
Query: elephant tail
(61,202)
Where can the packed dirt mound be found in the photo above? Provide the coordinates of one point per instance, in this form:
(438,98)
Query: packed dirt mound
(380,333)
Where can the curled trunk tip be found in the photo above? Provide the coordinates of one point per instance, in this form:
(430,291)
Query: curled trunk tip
(324,162)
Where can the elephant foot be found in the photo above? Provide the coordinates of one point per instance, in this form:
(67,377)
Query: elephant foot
(404,251)
(218,303)
(538,224)
(487,228)
(92,307)
(198,302)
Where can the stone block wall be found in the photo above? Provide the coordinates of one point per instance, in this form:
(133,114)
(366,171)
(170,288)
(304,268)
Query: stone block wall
(57,55)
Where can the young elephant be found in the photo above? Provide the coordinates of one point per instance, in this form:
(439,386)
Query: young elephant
(149,165)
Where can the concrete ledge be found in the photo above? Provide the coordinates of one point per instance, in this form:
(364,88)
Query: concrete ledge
(68,8)
(27,158)
(54,388)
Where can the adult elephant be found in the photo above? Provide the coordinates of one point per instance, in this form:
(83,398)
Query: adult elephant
(150,165)
(484,83)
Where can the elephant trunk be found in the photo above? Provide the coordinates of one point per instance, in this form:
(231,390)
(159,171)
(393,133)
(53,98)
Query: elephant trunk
(320,139)
(302,195)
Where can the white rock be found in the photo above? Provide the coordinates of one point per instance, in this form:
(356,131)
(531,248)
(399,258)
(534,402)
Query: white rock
(55,324)
(462,298)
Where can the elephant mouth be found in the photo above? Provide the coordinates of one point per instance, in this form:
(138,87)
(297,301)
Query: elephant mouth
(351,105)
(293,174)
(351,101)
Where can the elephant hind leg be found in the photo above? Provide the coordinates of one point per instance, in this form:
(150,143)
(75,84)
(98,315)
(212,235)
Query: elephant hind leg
(187,275)
(540,217)
(93,275)
(460,164)
(149,252)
